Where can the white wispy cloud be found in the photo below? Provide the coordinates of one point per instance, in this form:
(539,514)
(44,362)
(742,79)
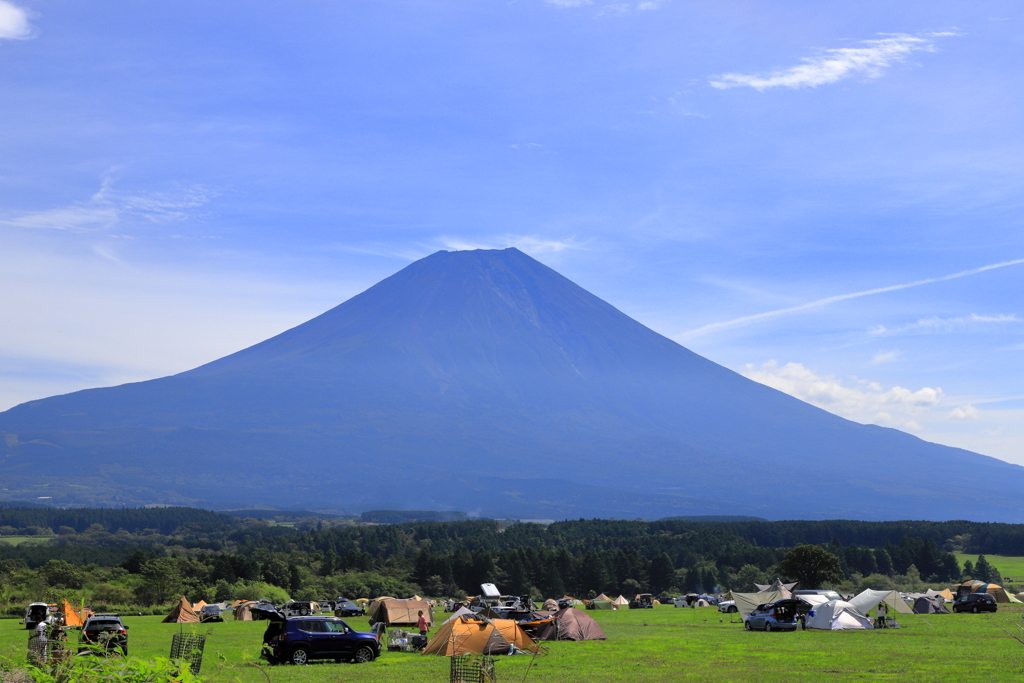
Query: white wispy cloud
(569,3)
(108,208)
(936,324)
(867,402)
(821,303)
(885,357)
(14,23)
(833,65)
(527,243)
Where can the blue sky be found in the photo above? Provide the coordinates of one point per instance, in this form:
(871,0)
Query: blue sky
(823,196)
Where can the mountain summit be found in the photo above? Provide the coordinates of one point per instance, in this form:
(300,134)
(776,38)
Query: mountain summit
(484,381)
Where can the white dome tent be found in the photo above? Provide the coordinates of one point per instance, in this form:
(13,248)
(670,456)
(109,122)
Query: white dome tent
(837,615)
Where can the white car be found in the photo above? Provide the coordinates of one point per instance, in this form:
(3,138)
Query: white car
(728,606)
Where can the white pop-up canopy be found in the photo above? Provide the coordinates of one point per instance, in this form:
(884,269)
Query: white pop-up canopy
(868,600)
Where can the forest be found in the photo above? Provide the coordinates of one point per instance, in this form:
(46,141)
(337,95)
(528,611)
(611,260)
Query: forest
(145,557)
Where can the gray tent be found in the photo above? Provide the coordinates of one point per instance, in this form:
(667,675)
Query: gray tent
(930,605)
(571,624)
(458,613)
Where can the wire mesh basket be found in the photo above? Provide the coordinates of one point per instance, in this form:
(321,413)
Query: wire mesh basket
(188,647)
(472,669)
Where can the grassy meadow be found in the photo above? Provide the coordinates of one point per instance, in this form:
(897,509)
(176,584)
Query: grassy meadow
(663,644)
(1009,567)
(18,540)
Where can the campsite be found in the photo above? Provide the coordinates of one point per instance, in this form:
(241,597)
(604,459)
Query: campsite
(643,645)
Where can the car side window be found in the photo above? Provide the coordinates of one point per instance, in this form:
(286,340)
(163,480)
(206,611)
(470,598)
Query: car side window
(335,627)
(312,627)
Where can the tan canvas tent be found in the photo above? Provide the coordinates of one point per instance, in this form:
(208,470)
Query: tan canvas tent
(181,614)
(199,605)
(602,596)
(243,610)
(786,589)
(399,612)
(747,602)
(993,589)
(945,594)
(468,635)
(551,604)
(618,601)
(571,624)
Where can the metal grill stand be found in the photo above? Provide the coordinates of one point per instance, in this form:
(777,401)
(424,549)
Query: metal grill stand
(188,647)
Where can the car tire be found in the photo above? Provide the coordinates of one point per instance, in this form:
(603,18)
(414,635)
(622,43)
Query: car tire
(975,609)
(299,656)
(364,654)
(732,609)
(747,626)
(767,626)
(304,612)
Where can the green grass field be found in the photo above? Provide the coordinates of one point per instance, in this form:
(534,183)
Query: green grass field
(1009,567)
(663,644)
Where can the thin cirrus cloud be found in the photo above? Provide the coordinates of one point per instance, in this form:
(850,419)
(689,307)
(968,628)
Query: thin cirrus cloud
(531,245)
(820,303)
(108,208)
(14,23)
(935,324)
(834,65)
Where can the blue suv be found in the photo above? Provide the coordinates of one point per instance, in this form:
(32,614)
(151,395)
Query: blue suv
(301,639)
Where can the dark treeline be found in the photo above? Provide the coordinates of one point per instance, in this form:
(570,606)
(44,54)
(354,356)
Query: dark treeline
(212,554)
(134,520)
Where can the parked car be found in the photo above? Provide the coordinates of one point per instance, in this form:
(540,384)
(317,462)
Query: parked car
(728,606)
(302,639)
(106,631)
(780,615)
(828,594)
(346,608)
(35,614)
(642,601)
(300,608)
(211,613)
(975,602)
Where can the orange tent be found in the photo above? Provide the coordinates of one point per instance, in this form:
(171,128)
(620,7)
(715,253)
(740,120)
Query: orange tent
(181,614)
(71,617)
(466,635)
(198,606)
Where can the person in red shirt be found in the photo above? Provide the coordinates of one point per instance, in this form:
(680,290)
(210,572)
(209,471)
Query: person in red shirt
(421,624)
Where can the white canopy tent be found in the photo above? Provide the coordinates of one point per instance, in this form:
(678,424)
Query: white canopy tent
(837,615)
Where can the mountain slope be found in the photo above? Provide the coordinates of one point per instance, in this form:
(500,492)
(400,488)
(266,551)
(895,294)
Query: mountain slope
(486,381)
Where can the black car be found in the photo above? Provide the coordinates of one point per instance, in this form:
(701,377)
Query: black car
(106,631)
(301,639)
(975,602)
(345,608)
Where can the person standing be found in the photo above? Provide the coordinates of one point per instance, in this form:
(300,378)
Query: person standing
(883,612)
(421,624)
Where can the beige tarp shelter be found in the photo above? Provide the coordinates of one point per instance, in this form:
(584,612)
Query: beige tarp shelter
(474,635)
(786,589)
(618,601)
(399,612)
(181,614)
(837,615)
(243,610)
(865,601)
(571,624)
(71,617)
(748,602)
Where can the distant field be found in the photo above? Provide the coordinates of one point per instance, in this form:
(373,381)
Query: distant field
(663,644)
(1010,567)
(18,540)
